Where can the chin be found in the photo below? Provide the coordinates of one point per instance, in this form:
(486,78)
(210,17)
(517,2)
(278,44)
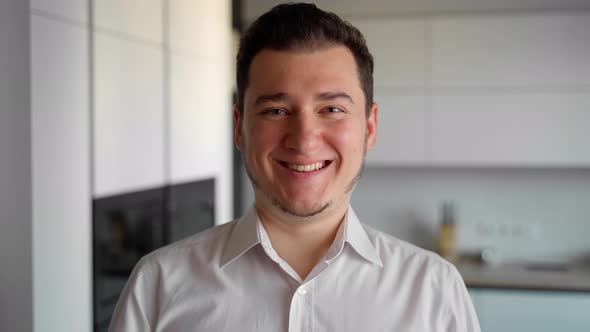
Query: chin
(302,210)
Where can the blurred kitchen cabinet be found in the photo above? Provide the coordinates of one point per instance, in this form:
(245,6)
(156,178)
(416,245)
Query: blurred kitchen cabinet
(401,135)
(199,114)
(506,90)
(516,51)
(162,96)
(199,132)
(512,130)
(128,115)
(128,96)
(200,28)
(509,90)
(399,50)
(200,89)
(133,19)
(60,182)
(537,130)
(74,10)
(539,311)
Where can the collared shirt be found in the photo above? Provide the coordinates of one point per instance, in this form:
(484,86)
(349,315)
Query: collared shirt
(229,278)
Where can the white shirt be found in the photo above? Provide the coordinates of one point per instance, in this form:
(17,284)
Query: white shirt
(229,278)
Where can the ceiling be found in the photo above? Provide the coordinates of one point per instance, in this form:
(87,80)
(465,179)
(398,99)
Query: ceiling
(382,8)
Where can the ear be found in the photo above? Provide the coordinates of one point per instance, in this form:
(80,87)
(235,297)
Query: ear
(237,128)
(372,126)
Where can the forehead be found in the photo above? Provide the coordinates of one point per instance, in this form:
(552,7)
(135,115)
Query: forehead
(326,69)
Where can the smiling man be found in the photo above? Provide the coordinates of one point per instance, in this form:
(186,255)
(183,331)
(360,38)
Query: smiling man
(300,259)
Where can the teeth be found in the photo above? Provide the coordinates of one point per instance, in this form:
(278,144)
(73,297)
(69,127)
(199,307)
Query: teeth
(307,168)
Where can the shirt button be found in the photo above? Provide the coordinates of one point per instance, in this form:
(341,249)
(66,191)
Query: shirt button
(301,291)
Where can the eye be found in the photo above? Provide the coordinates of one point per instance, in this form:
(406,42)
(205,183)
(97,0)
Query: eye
(333,110)
(274,112)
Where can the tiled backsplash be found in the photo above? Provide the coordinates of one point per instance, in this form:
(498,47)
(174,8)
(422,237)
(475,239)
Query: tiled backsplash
(532,214)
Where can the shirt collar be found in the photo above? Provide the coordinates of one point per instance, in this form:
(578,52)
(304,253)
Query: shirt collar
(243,236)
(246,235)
(355,234)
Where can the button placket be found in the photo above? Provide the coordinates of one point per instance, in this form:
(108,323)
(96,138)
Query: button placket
(302,312)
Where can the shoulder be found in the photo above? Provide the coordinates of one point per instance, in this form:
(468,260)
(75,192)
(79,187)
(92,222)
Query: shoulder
(161,275)
(407,257)
(201,248)
(427,276)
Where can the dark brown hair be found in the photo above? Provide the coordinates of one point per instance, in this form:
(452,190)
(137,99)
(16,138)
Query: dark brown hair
(302,26)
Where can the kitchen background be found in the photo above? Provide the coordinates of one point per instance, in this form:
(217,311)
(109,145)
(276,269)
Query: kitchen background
(116,103)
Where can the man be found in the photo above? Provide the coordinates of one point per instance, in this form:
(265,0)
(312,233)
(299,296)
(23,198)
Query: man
(299,260)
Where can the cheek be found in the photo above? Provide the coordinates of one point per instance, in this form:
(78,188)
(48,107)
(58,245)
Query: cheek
(349,139)
(260,139)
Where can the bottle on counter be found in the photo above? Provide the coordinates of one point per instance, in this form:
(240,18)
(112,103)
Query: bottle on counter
(447,236)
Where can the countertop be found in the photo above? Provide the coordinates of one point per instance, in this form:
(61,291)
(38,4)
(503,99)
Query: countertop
(527,276)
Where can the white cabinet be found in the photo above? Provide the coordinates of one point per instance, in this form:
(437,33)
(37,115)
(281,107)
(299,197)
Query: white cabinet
(496,90)
(162,96)
(399,51)
(401,135)
(129,119)
(60,127)
(135,19)
(200,110)
(74,10)
(200,27)
(128,116)
(520,130)
(200,95)
(508,51)
(539,311)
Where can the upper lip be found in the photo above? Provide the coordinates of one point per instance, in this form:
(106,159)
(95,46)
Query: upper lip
(302,162)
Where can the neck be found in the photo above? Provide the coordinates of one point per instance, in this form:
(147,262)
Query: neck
(302,243)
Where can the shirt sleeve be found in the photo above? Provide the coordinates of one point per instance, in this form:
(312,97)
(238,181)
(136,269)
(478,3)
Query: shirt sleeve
(135,310)
(461,313)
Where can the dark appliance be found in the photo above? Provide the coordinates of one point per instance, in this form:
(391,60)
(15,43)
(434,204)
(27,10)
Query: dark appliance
(129,226)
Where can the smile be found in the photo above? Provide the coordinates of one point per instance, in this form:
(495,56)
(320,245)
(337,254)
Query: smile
(306,168)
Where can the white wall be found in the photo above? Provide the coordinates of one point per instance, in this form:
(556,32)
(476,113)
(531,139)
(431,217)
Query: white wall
(16,311)
(60,122)
(44,178)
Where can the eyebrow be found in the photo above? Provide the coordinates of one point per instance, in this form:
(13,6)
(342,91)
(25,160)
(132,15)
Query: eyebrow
(282,97)
(276,97)
(334,95)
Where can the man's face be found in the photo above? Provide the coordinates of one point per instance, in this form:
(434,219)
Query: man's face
(304,130)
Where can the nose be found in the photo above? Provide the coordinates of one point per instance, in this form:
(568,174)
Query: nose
(303,133)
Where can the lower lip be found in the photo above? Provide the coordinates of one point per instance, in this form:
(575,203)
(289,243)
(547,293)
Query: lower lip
(303,175)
